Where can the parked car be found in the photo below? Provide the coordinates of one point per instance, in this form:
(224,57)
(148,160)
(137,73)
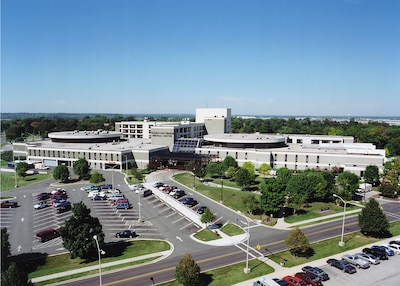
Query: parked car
(147,192)
(47,234)
(317,272)
(123,205)
(372,259)
(395,247)
(192,203)
(41,205)
(294,281)
(185,201)
(58,203)
(90,188)
(342,265)
(281,282)
(265,281)
(99,198)
(64,207)
(126,234)
(158,184)
(9,204)
(309,278)
(356,261)
(395,242)
(107,186)
(380,253)
(116,197)
(43,196)
(201,209)
(213,226)
(120,201)
(179,194)
(389,252)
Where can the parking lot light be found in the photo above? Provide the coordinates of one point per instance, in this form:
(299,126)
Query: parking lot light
(341,242)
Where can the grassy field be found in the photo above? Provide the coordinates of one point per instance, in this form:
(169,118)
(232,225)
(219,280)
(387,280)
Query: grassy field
(230,197)
(63,262)
(232,229)
(8,180)
(206,235)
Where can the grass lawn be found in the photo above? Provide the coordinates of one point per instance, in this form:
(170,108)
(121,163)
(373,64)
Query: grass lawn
(206,235)
(314,211)
(63,262)
(8,180)
(231,198)
(230,275)
(232,229)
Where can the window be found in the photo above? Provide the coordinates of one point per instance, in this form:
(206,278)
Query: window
(299,141)
(306,158)
(317,159)
(285,158)
(296,158)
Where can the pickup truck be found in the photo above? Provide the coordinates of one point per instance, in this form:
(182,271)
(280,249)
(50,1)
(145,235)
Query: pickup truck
(9,204)
(356,261)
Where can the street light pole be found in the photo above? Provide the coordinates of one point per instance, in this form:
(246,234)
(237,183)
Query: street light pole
(99,253)
(342,243)
(126,163)
(222,189)
(194,179)
(247,269)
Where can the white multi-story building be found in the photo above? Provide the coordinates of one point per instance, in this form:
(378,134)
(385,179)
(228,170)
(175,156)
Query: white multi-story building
(141,143)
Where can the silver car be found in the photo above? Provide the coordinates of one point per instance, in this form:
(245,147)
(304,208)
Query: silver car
(368,257)
(356,262)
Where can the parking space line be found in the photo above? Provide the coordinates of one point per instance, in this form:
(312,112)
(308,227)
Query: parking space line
(189,224)
(179,219)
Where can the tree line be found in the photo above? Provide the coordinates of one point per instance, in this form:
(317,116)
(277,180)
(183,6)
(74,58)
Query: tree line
(380,134)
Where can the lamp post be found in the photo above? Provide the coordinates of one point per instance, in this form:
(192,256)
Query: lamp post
(139,204)
(247,269)
(194,179)
(100,252)
(222,189)
(341,243)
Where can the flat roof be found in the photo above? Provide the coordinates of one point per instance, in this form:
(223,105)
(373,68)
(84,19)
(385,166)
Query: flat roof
(84,135)
(245,138)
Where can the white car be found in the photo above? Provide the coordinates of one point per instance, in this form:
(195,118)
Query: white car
(41,205)
(394,247)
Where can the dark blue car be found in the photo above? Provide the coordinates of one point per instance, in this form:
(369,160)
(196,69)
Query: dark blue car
(388,251)
(342,265)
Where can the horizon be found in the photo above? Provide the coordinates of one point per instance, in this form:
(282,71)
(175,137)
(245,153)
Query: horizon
(285,58)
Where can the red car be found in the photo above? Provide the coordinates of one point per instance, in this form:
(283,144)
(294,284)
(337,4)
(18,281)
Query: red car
(121,201)
(309,278)
(294,281)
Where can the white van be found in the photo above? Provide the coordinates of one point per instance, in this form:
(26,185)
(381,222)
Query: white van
(265,281)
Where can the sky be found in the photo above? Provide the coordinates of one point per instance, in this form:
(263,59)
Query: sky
(257,57)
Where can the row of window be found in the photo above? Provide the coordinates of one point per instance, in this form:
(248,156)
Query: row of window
(74,154)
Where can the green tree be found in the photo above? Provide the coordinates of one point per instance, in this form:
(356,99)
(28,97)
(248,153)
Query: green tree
(242,177)
(7,156)
(272,196)
(207,216)
(388,190)
(61,173)
(5,247)
(96,178)
(21,169)
(14,276)
(187,272)
(230,172)
(347,184)
(214,169)
(82,168)
(283,175)
(252,203)
(264,169)
(249,166)
(373,221)
(371,175)
(78,232)
(297,243)
(229,161)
